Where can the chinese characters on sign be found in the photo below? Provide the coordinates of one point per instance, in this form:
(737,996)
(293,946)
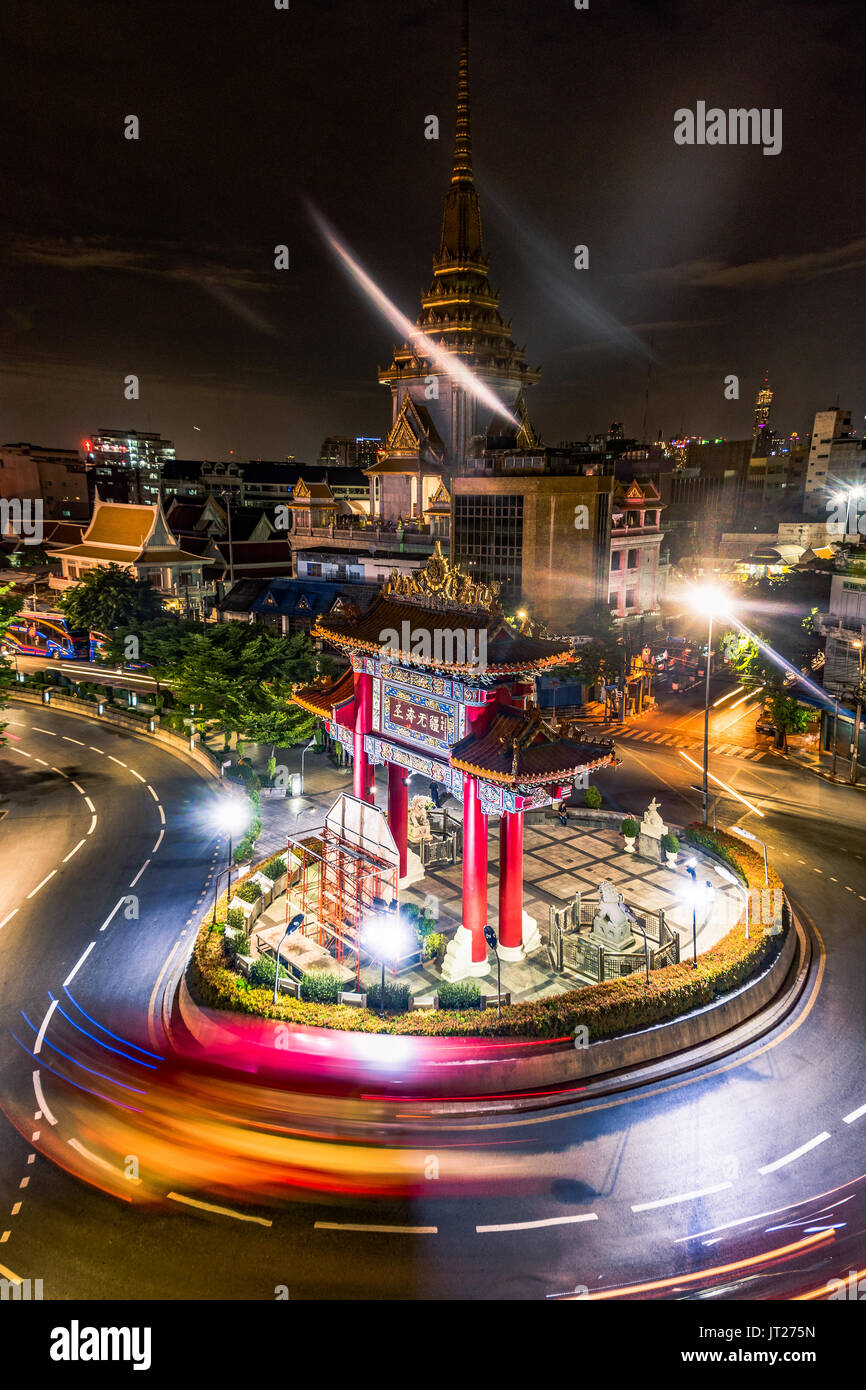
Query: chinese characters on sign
(407,715)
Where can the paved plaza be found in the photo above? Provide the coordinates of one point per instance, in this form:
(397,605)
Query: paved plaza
(558,862)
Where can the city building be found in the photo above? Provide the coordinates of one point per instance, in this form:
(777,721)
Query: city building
(56,476)
(844,627)
(837,459)
(127,465)
(342,451)
(636,538)
(762,434)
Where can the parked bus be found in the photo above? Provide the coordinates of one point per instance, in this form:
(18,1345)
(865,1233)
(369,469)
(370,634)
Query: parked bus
(49,634)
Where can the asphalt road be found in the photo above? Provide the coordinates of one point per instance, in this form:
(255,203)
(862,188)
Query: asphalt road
(720,1169)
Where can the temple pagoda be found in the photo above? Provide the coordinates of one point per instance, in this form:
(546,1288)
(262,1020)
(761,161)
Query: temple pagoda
(440,684)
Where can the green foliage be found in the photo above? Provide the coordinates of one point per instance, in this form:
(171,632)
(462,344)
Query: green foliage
(435,945)
(787,715)
(592,798)
(237,945)
(263,971)
(630,827)
(396,996)
(274,868)
(243,852)
(461,994)
(320,987)
(235,918)
(670,843)
(248,892)
(109,598)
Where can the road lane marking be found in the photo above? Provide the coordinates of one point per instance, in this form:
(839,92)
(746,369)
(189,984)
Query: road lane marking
(45,880)
(377,1230)
(67,739)
(67,857)
(40,1036)
(79,789)
(93,825)
(112,759)
(118,904)
(140,872)
(855,1115)
(536,1225)
(100,1162)
(159,842)
(95,750)
(798,1153)
(683,1197)
(161,813)
(220,1211)
(152,792)
(138,775)
(90,806)
(40,760)
(75,969)
(8,917)
(41,1101)
(17,750)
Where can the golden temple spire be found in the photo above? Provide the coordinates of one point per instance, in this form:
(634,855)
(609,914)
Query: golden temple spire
(462,170)
(462,241)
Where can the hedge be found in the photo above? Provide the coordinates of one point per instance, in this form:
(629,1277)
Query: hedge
(606,1010)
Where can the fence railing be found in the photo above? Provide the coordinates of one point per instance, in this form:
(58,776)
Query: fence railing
(571,945)
(445,845)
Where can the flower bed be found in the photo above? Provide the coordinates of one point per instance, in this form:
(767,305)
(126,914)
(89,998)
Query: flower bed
(605,1010)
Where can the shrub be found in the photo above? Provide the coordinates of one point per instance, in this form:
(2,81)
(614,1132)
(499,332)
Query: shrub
(411,912)
(235,919)
(238,945)
(630,827)
(248,892)
(320,987)
(592,798)
(263,971)
(462,994)
(396,996)
(435,945)
(243,852)
(274,868)
(670,843)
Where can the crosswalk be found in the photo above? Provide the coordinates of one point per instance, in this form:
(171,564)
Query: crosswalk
(661,739)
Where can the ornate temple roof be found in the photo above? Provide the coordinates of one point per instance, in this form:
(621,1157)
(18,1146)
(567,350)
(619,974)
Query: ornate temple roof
(460,311)
(522,748)
(441,598)
(325,697)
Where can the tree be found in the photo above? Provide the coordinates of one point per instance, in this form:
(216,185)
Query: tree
(10,606)
(110,599)
(788,717)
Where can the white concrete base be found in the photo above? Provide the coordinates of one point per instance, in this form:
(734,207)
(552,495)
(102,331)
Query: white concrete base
(458,963)
(531,942)
(414,870)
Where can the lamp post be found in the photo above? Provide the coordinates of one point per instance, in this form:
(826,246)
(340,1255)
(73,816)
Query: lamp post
(304,752)
(635,923)
(490,938)
(290,927)
(747,835)
(692,870)
(382,934)
(233,818)
(715,604)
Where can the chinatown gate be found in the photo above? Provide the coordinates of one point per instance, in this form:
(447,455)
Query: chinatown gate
(441,685)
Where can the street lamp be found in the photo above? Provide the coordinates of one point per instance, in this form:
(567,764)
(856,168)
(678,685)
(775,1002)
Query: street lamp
(747,835)
(715,603)
(233,817)
(383,936)
(697,895)
(304,752)
(290,927)
(490,938)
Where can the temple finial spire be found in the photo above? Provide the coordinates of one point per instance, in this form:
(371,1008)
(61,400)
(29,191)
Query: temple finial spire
(462,170)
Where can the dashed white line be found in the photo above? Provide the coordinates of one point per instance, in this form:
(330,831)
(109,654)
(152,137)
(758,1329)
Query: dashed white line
(96,750)
(152,792)
(89,804)
(49,732)
(855,1115)
(161,814)
(220,1211)
(13,749)
(40,760)
(159,842)
(140,872)
(40,1037)
(8,917)
(536,1225)
(41,1101)
(118,904)
(45,880)
(93,825)
(79,789)
(138,775)
(67,739)
(798,1153)
(683,1197)
(116,760)
(75,969)
(67,857)
(376,1230)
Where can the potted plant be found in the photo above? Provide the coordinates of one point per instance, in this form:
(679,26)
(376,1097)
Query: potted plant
(629,829)
(671,847)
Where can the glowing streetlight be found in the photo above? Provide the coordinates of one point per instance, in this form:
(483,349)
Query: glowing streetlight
(384,937)
(715,603)
(698,895)
(232,817)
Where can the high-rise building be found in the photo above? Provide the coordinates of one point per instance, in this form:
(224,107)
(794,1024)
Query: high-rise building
(837,459)
(127,466)
(57,477)
(762,435)
(433,415)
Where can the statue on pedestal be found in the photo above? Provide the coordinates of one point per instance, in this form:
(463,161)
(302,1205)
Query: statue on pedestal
(610,925)
(652,823)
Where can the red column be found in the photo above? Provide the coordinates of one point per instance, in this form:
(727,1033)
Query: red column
(362,772)
(398,810)
(474,867)
(511,880)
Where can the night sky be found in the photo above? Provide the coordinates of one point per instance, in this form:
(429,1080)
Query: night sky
(156,256)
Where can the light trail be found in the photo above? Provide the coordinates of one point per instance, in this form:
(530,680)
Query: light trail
(723,785)
(448,364)
(750,694)
(730,695)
